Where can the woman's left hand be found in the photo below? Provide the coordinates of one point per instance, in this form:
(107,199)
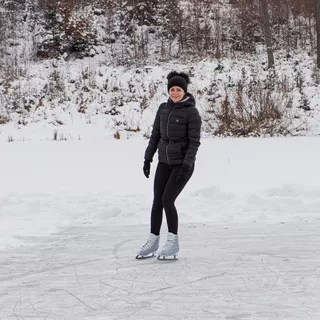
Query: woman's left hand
(182,173)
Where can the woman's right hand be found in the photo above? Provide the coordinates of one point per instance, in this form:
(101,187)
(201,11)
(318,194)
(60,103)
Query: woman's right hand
(146,168)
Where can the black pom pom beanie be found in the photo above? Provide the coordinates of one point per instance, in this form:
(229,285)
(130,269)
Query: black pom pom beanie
(179,80)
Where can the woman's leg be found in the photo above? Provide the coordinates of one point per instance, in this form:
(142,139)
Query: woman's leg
(160,181)
(170,194)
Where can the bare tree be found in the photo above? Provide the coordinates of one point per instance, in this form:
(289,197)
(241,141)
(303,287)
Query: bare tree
(266,31)
(318,31)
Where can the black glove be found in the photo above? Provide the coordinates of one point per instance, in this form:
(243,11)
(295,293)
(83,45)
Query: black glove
(182,173)
(146,168)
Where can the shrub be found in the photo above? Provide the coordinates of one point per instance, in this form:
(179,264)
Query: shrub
(4,119)
(255,111)
(117,135)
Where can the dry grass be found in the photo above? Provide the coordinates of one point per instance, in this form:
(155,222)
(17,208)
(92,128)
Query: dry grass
(252,112)
(4,119)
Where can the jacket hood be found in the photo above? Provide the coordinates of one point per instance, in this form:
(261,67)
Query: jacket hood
(187,101)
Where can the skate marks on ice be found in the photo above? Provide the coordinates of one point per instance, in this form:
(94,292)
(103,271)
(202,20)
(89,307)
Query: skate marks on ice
(240,271)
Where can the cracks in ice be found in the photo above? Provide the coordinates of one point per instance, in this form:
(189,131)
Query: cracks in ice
(114,287)
(255,284)
(184,284)
(274,272)
(20,298)
(26,274)
(303,311)
(76,275)
(19,308)
(117,247)
(81,301)
(206,278)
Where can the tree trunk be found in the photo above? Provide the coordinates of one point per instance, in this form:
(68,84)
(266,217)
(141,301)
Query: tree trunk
(267,32)
(318,31)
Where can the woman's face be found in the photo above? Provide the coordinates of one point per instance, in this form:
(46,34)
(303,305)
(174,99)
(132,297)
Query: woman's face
(176,94)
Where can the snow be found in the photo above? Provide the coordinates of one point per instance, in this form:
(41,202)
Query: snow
(76,97)
(73,214)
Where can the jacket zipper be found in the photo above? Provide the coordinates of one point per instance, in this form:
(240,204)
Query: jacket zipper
(168,137)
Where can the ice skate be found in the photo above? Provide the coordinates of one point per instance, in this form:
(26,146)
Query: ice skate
(149,249)
(170,249)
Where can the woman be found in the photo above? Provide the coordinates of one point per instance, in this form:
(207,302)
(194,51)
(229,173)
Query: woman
(176,135)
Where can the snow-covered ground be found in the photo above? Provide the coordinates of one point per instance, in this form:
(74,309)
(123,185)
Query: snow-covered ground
(73,214)
(87,99)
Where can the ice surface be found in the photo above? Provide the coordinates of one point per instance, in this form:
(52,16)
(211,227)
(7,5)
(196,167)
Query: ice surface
(243,271)
(73,215)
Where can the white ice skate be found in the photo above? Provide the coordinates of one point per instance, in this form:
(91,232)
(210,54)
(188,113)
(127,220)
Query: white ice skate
(149,248)
(170,249)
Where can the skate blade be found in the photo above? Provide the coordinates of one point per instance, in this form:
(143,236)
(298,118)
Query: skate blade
(140,257)
(168,258)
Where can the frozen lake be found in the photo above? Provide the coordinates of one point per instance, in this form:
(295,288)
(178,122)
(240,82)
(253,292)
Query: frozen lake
(74,213)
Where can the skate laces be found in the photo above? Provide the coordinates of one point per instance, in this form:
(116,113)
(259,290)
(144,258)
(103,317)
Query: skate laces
(172,245)
(152,241)
(169,244)
(147,245)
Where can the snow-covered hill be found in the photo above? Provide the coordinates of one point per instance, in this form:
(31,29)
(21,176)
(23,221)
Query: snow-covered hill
(90,69)
(80,99)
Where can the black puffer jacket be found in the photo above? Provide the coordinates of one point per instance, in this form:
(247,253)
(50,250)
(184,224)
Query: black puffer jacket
(176,132)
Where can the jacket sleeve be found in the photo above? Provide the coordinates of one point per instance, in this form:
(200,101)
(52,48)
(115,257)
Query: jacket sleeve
(154,139)
(194,131)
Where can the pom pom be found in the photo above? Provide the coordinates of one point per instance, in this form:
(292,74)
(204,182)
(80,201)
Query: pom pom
(180,74)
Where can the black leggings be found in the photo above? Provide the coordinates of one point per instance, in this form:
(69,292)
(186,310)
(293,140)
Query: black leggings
(166,191)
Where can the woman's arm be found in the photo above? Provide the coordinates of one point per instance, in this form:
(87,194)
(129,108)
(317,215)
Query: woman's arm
(194,131)
(154,139)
